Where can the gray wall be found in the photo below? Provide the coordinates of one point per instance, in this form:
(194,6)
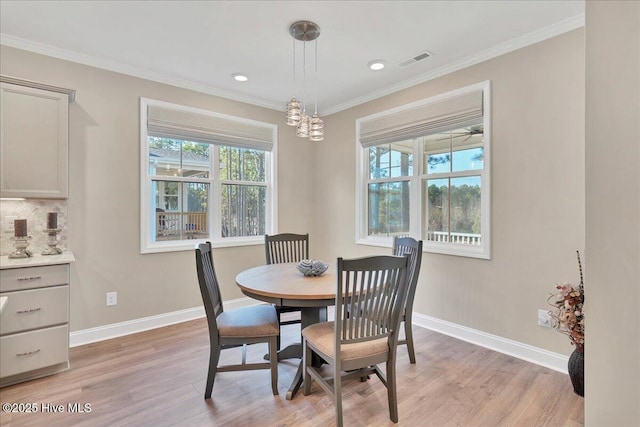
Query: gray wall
(538,202)
(104,193)
(538,198)
(537,193)
(612,352)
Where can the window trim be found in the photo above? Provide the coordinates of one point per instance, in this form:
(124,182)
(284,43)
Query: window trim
(148,246)
(416,208)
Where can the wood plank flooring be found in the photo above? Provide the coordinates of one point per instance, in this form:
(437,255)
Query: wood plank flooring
(157,378)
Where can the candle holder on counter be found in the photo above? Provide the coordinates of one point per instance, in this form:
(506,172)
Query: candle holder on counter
(20,240)
(52,242)
(20,243)
(52,230)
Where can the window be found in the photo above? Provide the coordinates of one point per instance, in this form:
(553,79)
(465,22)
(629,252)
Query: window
(205,176)
(388,188)
(424,172)
(244,192)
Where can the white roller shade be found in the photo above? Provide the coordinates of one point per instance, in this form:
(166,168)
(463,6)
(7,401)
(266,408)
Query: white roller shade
(453,112)
(209,128)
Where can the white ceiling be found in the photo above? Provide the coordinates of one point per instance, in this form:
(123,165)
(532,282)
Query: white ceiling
(199,44)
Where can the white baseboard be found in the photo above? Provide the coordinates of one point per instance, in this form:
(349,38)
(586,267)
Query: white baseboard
(114,330)
(548,359)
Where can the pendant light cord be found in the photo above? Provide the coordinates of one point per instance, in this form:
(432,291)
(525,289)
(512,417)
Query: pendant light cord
(304,75)
(294,63)
(315,82)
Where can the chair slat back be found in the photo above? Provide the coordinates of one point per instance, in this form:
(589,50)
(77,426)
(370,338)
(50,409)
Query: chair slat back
(208,281)
(369,297)
(413,248)
(286,247)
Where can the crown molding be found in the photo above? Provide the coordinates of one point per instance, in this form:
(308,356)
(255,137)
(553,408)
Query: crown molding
(485,55)
(118,67)
(506,47)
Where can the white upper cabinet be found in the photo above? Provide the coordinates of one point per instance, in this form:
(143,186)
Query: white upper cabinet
(34,141)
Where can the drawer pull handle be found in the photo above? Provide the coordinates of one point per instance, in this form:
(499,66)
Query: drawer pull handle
(25,279)
(31,310)
(28,353)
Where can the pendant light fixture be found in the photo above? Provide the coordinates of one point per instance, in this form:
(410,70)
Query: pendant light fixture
(306,127)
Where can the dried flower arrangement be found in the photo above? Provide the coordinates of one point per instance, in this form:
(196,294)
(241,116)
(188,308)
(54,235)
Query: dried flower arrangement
(568,315)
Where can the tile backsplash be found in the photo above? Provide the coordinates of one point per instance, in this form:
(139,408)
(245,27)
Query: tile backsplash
(35,212)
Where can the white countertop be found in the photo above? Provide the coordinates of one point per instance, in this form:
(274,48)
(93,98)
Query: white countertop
(36,260)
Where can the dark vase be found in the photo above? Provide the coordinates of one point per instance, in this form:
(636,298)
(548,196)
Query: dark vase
(576,371)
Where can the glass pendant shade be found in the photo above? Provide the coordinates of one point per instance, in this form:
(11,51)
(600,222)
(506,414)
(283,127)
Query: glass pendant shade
(316,128)
(303,127)
(294,112)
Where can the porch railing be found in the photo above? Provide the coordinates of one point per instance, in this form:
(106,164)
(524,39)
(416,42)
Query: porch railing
(176,223)
(460,238)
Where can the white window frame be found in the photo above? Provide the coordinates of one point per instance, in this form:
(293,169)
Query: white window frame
(482,251)
(147,245)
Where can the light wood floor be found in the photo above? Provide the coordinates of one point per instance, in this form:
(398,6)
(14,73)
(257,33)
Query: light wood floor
(157,378)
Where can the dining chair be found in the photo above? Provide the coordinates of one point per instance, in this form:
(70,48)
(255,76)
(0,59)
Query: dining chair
(282,248)
(412,247)
(360,339)
(242,326)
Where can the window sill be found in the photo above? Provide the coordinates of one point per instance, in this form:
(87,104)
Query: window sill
(381,242)
(189,245)
(480,252)
(468,251)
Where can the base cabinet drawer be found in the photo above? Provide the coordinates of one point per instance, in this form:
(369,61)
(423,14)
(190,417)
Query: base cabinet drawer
(34,308)
(33,350)
(16,279)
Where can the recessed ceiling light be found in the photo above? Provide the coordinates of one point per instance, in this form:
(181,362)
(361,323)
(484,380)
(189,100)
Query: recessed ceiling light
(239,77)
(376,64)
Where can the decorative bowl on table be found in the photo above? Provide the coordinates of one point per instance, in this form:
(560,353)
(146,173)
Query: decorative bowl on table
(312,267)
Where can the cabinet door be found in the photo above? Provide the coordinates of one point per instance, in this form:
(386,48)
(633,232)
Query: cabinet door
(33,143)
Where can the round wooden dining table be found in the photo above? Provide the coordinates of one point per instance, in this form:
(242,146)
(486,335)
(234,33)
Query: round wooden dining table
(284,285)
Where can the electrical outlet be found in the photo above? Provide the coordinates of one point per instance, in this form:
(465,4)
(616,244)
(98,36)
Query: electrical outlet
(544,319)
(8,223)
(112,298)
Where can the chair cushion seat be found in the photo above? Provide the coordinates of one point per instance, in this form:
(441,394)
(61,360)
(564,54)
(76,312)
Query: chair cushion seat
(258,321)
(321,336)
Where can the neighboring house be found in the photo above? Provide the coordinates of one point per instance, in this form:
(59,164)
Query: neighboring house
(178,213)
